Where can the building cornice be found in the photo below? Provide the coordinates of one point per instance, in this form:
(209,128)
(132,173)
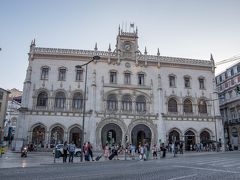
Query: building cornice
(56,52)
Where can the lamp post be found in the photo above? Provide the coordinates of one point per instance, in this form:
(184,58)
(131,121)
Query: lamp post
(84,103)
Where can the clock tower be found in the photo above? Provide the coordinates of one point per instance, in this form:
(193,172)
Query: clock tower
(127,43)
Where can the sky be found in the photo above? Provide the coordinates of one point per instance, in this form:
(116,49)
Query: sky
(179,28)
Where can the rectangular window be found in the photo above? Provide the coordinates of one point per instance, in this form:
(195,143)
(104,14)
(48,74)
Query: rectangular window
(232,72)
(226,84)
(44,75)
(127,78)
(1,95)
(140,79)
(226,75)
(220,78)
(232,82)
(0,106)
(62,75)
(172,81)
(79,75)
(201,84)
(113,77)
(238,78)
(238,68)
(187,82)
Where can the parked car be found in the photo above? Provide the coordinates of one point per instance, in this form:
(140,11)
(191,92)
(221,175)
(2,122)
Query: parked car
(59,148)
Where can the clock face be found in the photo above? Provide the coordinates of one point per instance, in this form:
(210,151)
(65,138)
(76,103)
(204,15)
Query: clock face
(127,47)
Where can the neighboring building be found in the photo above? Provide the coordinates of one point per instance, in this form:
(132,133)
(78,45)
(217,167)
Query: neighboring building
(229,98)
(3,108)
(131,97)
(11,119)
(15,95)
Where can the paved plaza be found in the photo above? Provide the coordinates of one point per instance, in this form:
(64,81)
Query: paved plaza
(190,166)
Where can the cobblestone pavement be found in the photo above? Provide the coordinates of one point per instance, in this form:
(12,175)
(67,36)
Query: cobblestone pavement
(190,167)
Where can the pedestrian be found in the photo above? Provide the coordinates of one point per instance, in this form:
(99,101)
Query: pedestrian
(90,150)
(86,152)
(154,151)
(106,151)
(71,149)
(133,150)
(142,154)
(163,150)
(65,150)
(181,148)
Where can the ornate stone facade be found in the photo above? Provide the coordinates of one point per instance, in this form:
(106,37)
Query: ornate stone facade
(131,97)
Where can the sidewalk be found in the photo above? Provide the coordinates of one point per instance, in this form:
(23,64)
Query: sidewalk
(12,159)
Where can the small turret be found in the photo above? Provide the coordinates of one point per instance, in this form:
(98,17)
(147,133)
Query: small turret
(213,63)
(109,54)
(95,49)
(33,43)
(158,58)
(145,52)
(158,53)
(119,29)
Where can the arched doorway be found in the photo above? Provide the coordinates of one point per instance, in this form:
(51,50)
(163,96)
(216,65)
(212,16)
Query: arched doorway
(141,134)
(75,136)
(38,135)
(57,136)
(112,134)
(173,137)
(204,137)
(189,140)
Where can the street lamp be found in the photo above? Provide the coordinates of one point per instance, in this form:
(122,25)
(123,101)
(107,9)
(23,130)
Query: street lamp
(84,103)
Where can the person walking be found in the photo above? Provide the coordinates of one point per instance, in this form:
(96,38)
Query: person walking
(181,148)
(65,150)
(71,149)
(90,150)
(163,150)
(106,151)
(154,151)
(147,151)
(133,150)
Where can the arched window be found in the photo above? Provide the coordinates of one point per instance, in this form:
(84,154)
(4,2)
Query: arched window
(42,99)
(204,136)
(172,105)
(187,106)
(126,103)
(202,106)
(60,100)
(77,102)
(112,102)
(141,104)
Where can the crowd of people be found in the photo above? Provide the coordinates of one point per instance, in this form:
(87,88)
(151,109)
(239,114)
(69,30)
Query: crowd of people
(140,152)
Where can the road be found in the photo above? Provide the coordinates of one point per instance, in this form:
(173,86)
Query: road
(219,166)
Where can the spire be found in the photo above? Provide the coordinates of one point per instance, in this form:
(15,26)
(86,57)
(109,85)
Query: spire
(211,57)
(158,53)
(119,29)
(145,52)
(33,43)
(213,63)
(109,48)
(96,47)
